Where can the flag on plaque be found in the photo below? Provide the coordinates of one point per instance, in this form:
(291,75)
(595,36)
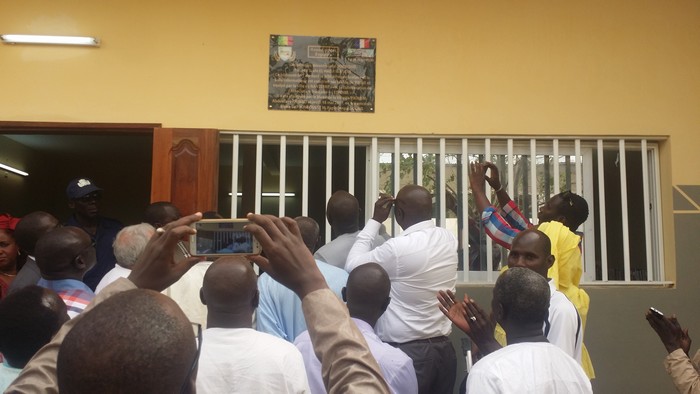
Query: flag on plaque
(285,40)
(363,43)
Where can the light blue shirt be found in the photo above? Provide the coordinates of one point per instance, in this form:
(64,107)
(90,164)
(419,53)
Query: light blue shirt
(396,366)
(7,375)
(279,312)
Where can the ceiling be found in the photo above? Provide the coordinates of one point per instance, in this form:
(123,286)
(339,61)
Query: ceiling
(82,144)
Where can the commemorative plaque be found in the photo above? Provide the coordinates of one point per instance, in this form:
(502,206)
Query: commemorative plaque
(330,74)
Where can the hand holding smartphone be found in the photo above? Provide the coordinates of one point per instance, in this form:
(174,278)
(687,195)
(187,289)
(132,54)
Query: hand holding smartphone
(223,237)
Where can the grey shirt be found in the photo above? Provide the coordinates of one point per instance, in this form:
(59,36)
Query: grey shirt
(336,252)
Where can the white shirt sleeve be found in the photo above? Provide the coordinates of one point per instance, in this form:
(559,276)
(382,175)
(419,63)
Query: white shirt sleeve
(563,325)
(362,251)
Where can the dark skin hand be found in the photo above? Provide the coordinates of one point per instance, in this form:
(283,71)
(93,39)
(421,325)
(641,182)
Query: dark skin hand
(382,208)
(454,310)
(156,268)
(287,260)
(482,328)
(669,330)
(494,180)
(461,313)
(477,180)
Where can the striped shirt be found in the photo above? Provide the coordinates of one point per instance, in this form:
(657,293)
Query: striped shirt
(76,294)
(503,226)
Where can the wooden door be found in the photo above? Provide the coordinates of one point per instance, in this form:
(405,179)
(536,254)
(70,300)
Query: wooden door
(186,168)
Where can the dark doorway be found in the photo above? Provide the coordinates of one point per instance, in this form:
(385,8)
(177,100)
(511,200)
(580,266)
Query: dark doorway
(117,161)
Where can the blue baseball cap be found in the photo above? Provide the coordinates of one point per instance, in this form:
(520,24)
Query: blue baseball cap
(80,187)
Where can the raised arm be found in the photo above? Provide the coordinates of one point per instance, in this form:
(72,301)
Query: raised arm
(155,269)
(495,225)
(363,250)
(477,181)
(677,343)
(346,362)
(495,182)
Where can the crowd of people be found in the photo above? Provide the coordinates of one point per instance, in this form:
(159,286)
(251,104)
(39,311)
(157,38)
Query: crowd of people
(94,306)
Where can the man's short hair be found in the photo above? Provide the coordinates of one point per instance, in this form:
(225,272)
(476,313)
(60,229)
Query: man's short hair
(309,229)
(29,317)
(130,243)
(161,213)
(138,341)
(31,228)
(524,296)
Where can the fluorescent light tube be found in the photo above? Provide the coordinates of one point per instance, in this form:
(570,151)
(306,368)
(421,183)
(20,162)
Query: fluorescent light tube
(51,40)
(12,169)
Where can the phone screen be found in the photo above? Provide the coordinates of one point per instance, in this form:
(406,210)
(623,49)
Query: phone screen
(224,238)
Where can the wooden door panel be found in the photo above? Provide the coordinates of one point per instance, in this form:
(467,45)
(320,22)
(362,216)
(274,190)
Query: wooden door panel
(186,168)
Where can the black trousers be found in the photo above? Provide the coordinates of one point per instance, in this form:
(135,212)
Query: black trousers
(435,362)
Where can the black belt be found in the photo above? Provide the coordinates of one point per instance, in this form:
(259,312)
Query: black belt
(441,338)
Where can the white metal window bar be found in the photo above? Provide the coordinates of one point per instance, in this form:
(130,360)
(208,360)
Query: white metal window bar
(578,150)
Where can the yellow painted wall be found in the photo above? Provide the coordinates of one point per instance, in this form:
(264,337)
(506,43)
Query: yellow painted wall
(471,67)
(597,67)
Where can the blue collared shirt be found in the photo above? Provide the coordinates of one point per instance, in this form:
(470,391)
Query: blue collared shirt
(74,293)
(279,312)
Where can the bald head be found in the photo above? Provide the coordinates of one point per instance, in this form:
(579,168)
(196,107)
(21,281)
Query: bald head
(367,292)
(65,253)
(230,292)
(145,344)
(32,227)
(413,204)
(343,212)
(309,231)
(531,249)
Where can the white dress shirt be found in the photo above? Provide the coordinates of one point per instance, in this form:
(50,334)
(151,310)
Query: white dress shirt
(396,366)
(185,292)
(420,261)
(530,367)
(242,360)
(115,273)
(565,330)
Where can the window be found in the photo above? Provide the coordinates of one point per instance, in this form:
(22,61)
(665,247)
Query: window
(296,174)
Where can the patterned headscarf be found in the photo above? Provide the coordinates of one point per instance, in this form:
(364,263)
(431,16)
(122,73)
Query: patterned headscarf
(7,222)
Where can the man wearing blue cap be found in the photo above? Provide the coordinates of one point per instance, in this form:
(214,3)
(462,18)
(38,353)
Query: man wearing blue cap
(83,198)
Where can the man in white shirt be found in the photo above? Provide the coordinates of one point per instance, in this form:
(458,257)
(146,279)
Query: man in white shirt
(529,364)
(343,214)
(420,261)
(532,250)
(367,297)
(128,246)
(234,357)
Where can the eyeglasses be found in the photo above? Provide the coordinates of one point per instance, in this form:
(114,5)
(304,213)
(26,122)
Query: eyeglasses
(185,388)
(95,196)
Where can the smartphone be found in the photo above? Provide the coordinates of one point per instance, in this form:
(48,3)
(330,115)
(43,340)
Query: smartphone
(656,311)
(222,237)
